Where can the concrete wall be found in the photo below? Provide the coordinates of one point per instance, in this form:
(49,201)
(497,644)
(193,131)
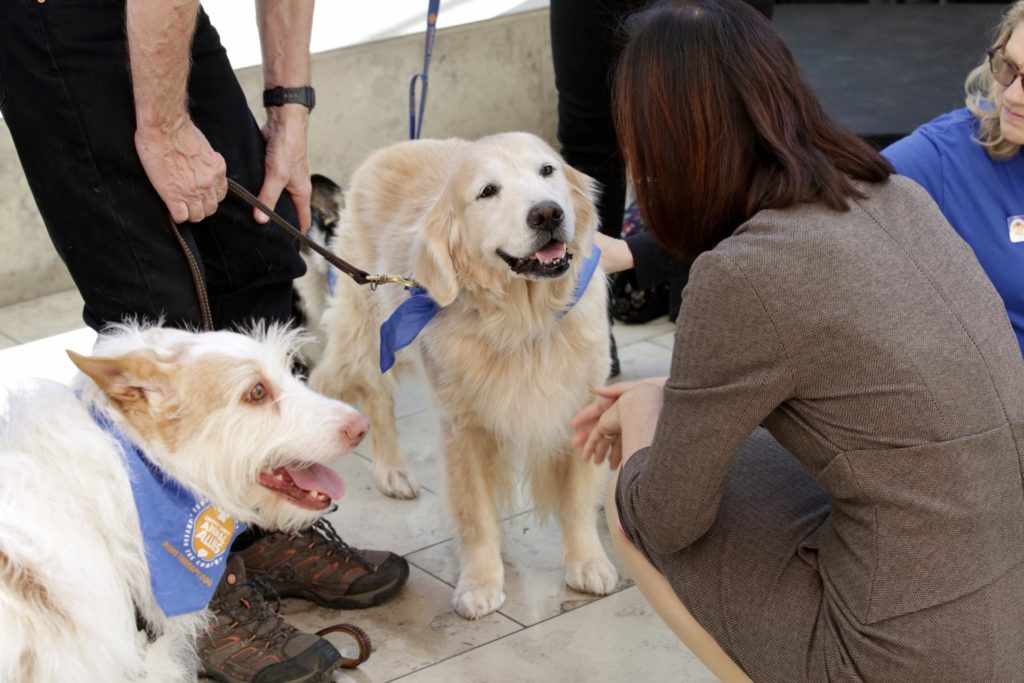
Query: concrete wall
(485,77)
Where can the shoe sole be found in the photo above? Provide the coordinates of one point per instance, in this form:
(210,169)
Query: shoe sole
(361,601)
(324,676)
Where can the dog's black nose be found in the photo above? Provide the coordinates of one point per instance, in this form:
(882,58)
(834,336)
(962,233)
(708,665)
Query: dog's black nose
(545,216)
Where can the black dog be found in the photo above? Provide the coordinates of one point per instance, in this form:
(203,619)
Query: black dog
(310,292)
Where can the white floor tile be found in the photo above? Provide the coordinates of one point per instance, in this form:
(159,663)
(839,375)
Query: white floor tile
(666,340)
(628,334)
(617,639)
(38,318)
(534,572)
(415,629)
(644,359)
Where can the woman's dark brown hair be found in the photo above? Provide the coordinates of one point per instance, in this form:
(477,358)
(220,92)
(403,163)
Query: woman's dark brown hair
(716,123)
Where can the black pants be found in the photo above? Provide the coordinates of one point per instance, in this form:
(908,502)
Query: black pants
(65,94)
(585,43)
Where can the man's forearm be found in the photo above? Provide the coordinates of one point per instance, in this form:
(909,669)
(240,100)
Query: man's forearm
(159,40)
(285,27)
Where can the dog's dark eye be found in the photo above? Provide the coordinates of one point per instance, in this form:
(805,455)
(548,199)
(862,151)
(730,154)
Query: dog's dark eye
(546,170)
(489,191)
(257,393)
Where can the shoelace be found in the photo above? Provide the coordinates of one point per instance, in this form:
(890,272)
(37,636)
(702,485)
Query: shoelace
(324,532)
(236,608)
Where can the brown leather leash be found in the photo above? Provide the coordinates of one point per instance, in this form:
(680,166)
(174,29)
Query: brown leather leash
(360,276)
(358,635)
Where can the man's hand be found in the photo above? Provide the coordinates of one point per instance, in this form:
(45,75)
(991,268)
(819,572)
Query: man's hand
(189,176)
(287,167)
(186,172)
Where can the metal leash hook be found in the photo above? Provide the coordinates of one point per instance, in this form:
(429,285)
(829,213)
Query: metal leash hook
(375,280)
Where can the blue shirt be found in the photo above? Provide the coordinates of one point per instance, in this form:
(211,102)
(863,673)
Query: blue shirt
(981,197)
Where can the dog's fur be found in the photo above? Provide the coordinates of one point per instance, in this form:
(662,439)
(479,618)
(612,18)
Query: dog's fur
(508,365)
(72,566)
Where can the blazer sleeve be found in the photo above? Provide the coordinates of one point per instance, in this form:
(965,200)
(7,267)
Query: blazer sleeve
(729,371)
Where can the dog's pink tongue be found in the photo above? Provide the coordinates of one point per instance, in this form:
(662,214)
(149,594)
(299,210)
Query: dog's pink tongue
(554,250)
(318,478)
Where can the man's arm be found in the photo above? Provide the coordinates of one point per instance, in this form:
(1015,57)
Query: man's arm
(285,27)
(186,172)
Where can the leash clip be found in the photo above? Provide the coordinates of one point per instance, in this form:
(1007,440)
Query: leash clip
(375,280)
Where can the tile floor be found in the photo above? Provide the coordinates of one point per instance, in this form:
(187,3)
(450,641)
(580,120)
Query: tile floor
(544,632)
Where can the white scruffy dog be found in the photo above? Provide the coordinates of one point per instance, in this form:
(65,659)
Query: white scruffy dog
(218,412)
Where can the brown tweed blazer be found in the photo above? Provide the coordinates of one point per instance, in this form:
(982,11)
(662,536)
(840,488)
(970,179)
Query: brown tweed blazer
(873,347)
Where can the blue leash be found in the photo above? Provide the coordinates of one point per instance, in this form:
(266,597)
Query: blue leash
(416,122)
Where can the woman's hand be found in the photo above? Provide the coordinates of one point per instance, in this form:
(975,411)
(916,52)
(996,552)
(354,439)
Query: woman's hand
(597,428)
(615,253)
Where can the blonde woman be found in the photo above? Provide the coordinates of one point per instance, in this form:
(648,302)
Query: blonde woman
(969,161)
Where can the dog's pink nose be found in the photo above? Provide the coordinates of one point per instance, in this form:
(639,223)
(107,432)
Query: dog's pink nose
(354,429)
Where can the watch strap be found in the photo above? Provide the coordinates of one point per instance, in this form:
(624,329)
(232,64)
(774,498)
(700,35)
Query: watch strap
(275,97)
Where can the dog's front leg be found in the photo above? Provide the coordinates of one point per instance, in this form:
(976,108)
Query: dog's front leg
(389,467)
(171,658)
(474,472)
(575,487)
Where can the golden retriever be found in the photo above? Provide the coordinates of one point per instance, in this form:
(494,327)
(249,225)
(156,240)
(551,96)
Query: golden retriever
(497,231)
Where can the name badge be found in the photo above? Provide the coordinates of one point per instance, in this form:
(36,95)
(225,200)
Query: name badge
(1016,225)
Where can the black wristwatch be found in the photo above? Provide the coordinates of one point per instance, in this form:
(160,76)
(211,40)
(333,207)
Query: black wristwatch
(275,97)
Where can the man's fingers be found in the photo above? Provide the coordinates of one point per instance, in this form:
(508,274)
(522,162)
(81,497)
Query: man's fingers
(304,214)
(178,210)
(196,211)
(269,194)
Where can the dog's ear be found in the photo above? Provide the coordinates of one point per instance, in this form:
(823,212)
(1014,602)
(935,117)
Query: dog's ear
(433,266)
(134,381)
(584,192)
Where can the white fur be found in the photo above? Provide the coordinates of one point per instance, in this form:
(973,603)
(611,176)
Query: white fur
(72,569)
(508,365)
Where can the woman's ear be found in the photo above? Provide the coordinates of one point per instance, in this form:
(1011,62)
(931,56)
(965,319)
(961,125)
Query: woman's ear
(583,194)
(433,267)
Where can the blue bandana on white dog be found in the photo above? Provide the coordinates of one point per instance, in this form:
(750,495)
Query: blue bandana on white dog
(186,539)
(413,314)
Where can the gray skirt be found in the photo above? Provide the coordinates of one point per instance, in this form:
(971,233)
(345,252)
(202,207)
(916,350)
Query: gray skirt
(753,581)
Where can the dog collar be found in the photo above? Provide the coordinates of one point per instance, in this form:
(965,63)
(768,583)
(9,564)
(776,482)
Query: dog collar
(413,314)
(186,539)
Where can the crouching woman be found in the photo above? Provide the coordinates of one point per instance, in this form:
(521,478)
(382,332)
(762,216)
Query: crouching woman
(828,485)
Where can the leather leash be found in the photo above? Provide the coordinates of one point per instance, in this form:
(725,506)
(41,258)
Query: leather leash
(360,276)
(358,635)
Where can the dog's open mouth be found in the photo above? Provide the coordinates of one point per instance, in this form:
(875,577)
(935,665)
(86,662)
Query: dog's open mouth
(551,260)
(312,487)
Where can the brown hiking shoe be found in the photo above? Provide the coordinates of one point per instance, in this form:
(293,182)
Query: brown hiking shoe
(317,565)
(250,643)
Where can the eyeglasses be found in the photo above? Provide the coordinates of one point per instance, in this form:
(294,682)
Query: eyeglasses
(1003,70)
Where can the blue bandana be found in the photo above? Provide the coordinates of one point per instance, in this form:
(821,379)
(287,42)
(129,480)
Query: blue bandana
(186,539)
(413,314)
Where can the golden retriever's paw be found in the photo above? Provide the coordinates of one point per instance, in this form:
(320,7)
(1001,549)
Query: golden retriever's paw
(474,599)
(396,482)
(597,577)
